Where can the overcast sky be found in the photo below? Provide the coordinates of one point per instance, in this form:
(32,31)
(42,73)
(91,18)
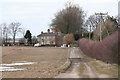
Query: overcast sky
(36,15)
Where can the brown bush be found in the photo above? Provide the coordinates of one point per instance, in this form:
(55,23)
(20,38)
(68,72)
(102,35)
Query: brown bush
(106,50)
(68,38)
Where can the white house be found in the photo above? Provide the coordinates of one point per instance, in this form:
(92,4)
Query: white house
(50,38)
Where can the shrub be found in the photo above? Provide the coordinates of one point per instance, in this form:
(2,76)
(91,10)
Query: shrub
(106,50)
(68,38)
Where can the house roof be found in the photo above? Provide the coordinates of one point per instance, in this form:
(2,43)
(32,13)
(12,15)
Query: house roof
(47,34)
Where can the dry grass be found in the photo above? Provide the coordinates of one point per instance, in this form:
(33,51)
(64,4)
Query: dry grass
(110,69)
(101,67)
(48,61)
(64,67)
(81,70)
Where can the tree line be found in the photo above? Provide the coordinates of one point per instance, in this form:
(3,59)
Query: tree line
(71,21)
(12,30)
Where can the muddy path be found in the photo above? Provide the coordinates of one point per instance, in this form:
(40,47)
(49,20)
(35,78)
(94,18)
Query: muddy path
(77,59)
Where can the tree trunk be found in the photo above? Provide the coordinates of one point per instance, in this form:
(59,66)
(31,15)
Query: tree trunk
(14,39)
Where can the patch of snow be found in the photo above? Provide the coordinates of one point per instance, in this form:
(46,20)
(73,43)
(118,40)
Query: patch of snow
(9,69)
(18,64)
(14,64)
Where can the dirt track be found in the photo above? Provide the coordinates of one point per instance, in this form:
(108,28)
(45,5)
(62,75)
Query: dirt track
(76,60)
(72,72)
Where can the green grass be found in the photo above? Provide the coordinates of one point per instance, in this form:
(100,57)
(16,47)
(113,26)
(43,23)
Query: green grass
(119,72)
(73,45)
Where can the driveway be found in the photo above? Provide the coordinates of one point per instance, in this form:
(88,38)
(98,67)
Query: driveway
(73,72)
(75,58)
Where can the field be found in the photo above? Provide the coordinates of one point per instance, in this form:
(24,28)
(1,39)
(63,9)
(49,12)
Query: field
(48,61)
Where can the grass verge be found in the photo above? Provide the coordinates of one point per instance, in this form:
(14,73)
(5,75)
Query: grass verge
(110,69)
(64,67)
(102,67)
(81,70)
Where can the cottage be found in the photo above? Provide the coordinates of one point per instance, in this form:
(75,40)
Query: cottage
(51,38)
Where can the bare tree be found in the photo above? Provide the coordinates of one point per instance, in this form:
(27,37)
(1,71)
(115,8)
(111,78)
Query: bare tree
(69,20)
(0,35)
(107,27)
(91,24)
(14,29)
(22,31)
(4,32)
(93,21)
(0,31)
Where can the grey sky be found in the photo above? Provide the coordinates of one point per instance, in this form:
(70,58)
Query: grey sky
(36,15)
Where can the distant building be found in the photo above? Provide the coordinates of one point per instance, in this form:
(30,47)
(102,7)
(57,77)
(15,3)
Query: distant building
(51,38)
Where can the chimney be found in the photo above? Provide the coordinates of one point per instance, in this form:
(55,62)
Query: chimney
(48,30)
(42,32)
(54,30)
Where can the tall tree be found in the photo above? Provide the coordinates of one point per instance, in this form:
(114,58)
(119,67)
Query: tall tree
(92,22)
(69,20)
(28,36)
(0,32)
(107,27)
(22,31)
(4,32)
(1,36)
(14,29)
